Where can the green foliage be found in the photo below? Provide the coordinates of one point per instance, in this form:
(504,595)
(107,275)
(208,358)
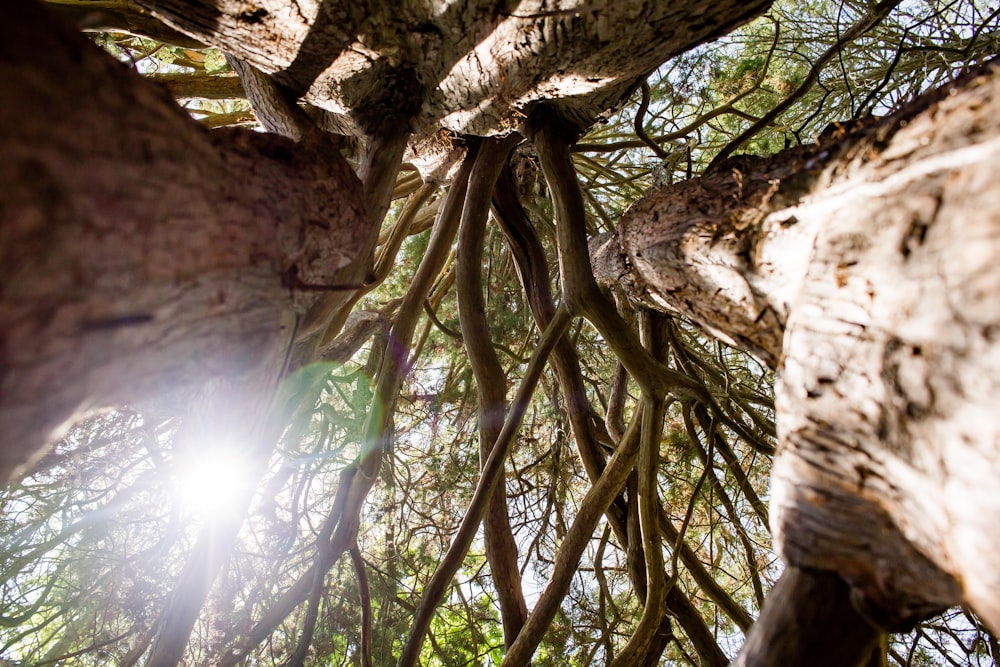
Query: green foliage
(93,542)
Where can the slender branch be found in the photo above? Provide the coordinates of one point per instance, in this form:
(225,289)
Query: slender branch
(387,254)
(687,361)
(533,273)
(491,381)
(377,426)
(92,648)
(708,460)
(594,504)
(365,599)
(614,416)
(640,131)
(490,476)
(704,638)
(637,648)
(298,657)
(580,290)
(729,107)
(260,422)
(703,577)
(872,18)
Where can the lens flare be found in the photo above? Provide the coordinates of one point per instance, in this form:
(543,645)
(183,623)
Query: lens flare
(213,481)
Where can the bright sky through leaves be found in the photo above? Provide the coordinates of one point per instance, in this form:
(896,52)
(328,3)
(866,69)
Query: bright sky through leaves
(95,543)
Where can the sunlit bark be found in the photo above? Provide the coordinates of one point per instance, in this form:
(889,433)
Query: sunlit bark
(472,67)
(864,271)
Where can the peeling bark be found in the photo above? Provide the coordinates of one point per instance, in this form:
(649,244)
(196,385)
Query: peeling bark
(864,271)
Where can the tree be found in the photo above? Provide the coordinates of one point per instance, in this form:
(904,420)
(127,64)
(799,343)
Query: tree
(232,275)
(858,486)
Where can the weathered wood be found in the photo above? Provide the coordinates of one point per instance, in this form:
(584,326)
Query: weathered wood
(865,272)
(808,619)
(140,254)
(205,86)
(472,67)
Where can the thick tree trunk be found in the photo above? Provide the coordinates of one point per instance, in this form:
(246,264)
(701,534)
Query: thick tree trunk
(139,254)
(472,67)
(865,272)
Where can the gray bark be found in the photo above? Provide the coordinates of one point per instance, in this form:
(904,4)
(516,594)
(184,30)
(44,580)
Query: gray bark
(864,271)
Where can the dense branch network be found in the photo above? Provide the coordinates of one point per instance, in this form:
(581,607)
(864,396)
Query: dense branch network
(615,457)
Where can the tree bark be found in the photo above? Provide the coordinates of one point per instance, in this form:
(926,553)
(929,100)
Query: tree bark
(811,622)
(471,67)
(491,381)
(141,255)
(864,271)
(118,16)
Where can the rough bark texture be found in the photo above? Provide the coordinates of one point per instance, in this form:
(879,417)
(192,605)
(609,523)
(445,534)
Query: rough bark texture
(140,254)
(120,16)
(864,270)
(472,67)
(809,610)
(186,86)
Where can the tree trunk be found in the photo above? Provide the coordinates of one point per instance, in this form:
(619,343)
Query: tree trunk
(864,271)
(141,255)
(471,67)
(145,255)
(810,622)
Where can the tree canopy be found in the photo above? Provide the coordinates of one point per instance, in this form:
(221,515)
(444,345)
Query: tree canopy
(443,464)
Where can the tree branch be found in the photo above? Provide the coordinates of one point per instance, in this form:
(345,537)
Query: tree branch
(808,619)
(491,381)
(490,477)
(580,290)
(875,15)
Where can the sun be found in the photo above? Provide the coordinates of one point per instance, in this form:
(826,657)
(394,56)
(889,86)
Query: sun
(213,480)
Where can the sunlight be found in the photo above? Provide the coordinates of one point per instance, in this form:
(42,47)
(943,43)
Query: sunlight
(212,481)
